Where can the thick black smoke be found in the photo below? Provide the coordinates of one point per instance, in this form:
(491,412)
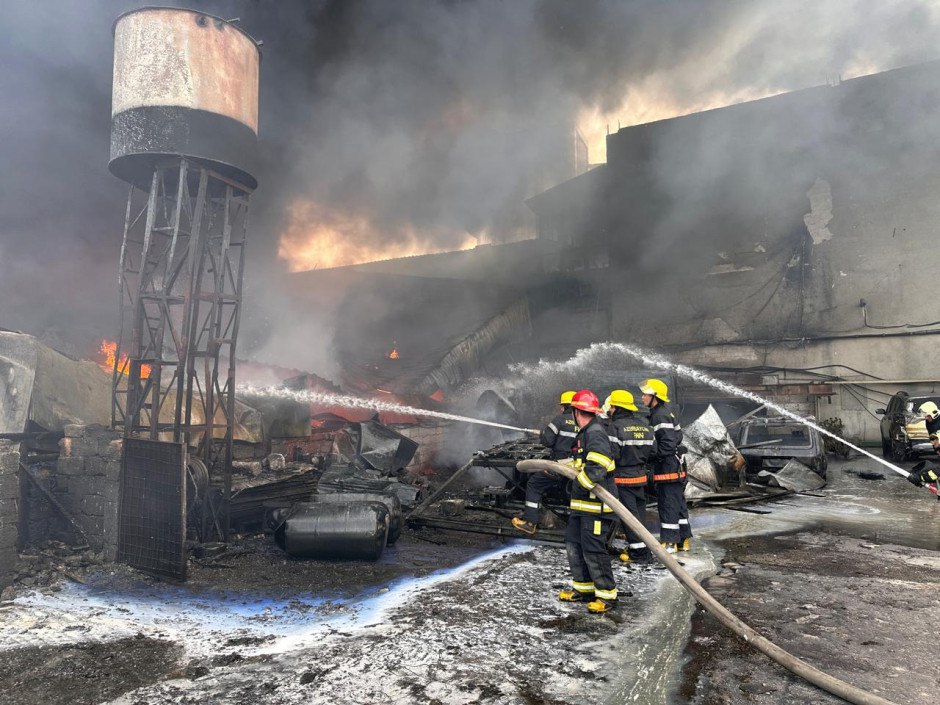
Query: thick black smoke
(414,119)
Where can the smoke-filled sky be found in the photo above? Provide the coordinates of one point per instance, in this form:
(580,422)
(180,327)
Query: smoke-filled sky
(389,127)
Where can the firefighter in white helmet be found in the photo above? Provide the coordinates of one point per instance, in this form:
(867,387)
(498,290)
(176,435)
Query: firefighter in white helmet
(932,418)
(669,475)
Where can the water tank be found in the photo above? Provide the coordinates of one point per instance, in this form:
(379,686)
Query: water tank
(185,84)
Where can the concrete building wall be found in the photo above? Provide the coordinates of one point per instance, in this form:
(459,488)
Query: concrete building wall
(902,363)
(797,232)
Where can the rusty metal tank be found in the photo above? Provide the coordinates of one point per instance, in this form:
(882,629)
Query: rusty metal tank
(185,84)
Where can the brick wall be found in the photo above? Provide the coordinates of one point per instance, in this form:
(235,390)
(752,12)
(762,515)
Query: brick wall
(798,398)
(9,510)
(430,440)
(87,479)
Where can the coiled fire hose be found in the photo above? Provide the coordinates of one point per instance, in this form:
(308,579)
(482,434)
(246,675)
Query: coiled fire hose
(831,684)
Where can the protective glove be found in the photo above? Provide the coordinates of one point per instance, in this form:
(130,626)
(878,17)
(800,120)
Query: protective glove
(914,479)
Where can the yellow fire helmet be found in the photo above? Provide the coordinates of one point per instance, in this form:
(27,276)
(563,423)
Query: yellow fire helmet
(656,388)
(566,398)
(930,410)
(623,399)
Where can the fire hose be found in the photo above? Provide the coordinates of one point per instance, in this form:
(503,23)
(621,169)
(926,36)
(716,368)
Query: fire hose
(829,683)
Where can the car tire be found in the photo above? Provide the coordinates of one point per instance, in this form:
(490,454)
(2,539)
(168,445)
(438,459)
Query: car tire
(898,450)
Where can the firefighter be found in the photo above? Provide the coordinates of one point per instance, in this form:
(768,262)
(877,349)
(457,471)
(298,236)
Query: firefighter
(932,418)
(559,435)
(632,441)
(591,521)
(669,475)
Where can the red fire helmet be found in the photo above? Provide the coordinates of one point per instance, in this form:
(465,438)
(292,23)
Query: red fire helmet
(586,400)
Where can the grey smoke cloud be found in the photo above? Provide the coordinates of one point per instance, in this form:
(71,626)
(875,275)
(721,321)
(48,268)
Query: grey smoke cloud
(414,117)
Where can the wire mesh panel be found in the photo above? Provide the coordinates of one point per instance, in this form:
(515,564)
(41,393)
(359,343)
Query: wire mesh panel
(152,530)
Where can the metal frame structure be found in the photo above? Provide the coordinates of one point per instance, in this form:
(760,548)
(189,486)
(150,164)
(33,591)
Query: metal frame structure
(181,269)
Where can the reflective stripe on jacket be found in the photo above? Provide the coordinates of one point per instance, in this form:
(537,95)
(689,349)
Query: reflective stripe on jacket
(668,433)
(559,435)
(592,458)
(633,443)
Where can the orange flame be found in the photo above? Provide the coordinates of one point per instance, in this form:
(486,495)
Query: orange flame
(108,351)
(317,237)
(393,355)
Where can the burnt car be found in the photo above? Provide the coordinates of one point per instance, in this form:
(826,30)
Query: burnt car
(903,431)
(769,443)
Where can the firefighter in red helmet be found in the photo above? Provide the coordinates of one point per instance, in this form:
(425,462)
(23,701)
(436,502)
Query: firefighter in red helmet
(591,521)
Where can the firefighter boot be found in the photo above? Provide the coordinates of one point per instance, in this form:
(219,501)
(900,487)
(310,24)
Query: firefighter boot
(526,527)
(686,544)
(575,596)
(600,606)
(670,547)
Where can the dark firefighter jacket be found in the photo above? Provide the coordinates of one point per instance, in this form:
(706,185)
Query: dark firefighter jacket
(559,435)
(593,458)
(666,466)
(933,427)
(633,443)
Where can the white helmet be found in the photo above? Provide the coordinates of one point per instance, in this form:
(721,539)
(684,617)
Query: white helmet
(930,410)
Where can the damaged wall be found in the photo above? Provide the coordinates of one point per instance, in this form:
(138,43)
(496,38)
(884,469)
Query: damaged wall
(87,481)
(796,231)
(9,511)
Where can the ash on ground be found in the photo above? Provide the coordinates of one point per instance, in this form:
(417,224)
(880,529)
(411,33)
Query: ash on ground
(462,622)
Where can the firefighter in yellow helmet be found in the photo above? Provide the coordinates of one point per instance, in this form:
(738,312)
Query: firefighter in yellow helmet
(591,521)
(632,442)
(669,475)
(559,435)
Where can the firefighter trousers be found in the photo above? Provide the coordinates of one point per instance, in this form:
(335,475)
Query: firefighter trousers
(633,497)
(586,544)
(673,512)
(537,485)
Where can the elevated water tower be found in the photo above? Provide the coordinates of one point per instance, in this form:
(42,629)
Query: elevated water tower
(184,131)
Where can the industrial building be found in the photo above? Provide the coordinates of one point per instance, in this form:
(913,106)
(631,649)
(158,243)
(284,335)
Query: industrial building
(785,243)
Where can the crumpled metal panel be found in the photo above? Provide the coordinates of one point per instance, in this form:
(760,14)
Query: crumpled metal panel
(793,476)
(41,385)
(713,458)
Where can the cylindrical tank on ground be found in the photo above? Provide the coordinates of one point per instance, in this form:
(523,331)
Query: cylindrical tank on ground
(391,502)
(350,530)
(185,84)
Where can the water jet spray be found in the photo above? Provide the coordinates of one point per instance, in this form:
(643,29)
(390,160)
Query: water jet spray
(350,402)
(658,361)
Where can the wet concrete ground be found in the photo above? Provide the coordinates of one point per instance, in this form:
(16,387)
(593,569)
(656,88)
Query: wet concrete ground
(847,581)
(834,578)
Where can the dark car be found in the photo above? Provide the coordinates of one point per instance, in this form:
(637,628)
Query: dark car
(770,443)
(903,431)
